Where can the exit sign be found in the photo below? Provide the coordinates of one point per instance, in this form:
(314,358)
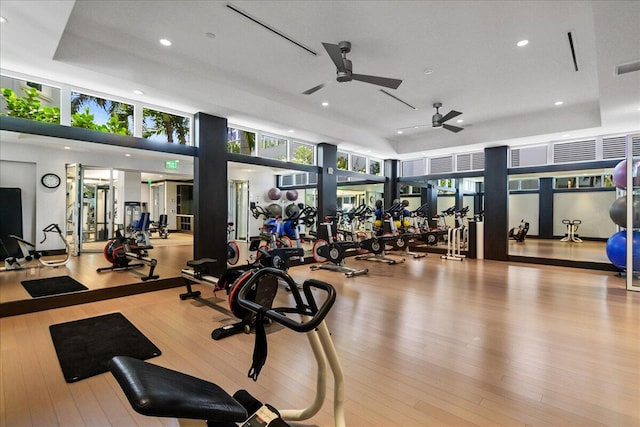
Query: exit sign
(171,164)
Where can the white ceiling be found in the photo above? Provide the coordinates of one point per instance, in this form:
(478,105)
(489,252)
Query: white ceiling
(255,78)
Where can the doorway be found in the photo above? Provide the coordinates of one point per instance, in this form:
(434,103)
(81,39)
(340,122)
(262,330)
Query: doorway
(91,211)
(238,209)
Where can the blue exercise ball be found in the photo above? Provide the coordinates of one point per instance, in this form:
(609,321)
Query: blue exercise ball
(617,250)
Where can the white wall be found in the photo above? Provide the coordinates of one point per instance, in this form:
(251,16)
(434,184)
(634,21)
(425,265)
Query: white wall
(444,203)
(171,204)
(527,207)
(590,207)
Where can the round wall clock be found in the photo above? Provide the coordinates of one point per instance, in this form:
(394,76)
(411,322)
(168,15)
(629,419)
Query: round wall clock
(50,180)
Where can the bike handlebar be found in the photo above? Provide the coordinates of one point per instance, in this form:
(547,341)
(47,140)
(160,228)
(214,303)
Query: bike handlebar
(304,308)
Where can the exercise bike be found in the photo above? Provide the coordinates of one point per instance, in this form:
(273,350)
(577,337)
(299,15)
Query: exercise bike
(27,252)
(123,252)
(201,271)
(153,390)
(332,252)
(520,233)
(233,251)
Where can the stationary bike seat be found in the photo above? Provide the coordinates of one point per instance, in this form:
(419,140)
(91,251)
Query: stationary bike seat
(160,392)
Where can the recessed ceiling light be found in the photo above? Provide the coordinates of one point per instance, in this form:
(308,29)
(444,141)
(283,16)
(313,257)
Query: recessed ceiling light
(291,131)
(138,92)
(459,121)
(3,19)
(428,71)
(638,108)
(67,148)
(165,42)
(127,155)
(566,135)
(522,43)
(325,104)
(558,103)
(399,132)
(210,35)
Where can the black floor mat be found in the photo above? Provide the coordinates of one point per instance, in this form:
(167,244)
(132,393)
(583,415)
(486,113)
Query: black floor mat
(85,347)
(52,286)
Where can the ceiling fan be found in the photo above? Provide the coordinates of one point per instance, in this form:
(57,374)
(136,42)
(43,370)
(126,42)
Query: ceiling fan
(438,120)
(344,67)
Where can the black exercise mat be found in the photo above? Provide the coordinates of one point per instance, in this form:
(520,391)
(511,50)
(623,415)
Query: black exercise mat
(86,346)
(52,286)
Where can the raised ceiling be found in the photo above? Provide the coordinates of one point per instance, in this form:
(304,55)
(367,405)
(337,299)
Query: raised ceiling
(256,78)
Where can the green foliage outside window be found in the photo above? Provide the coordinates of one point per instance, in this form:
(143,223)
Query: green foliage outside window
(29,106)
(303,155)
(374,167)
(174,128)
(240,141)
(84,119)
(342,162)
(119,114)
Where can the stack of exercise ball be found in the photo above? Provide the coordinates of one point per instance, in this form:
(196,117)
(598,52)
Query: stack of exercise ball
(617,244)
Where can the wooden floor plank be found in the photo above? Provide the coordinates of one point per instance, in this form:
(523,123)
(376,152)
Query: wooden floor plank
(427,342)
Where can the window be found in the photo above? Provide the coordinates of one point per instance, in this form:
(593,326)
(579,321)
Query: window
(241,142)
(358,163)
(413,167)
(342,160)
(374,167)
(272,147)
(302,153)
(29,100)
(165,127)
(101,114)
(565,182)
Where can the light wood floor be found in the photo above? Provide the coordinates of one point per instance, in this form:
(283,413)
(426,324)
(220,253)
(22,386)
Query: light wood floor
(424,343)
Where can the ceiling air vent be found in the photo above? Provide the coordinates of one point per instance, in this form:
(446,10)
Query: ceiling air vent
(628,68)
(463,162)
(477,161)
(576,151)
(529,156)
(438,165)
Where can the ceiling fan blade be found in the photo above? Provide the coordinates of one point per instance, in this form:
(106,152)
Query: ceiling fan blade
(450,115)
(454,129)
(313,89)
(336,56)
(380,81)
